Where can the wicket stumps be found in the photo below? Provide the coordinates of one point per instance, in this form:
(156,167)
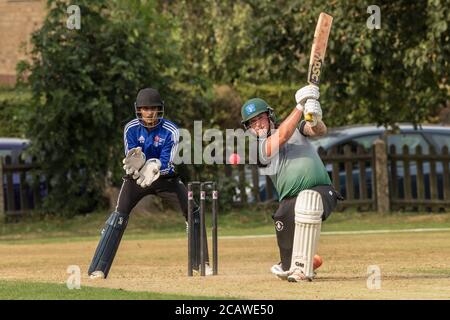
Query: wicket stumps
(203,239)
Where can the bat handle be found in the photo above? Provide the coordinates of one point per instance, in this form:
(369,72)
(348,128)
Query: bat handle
(309,117)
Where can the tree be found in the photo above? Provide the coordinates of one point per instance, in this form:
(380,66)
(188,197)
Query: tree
(398,73)
(84,83)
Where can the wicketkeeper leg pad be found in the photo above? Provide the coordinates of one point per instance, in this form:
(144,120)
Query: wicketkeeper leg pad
(308,221)
(109,243)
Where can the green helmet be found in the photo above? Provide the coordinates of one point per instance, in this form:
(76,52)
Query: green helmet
(252,108)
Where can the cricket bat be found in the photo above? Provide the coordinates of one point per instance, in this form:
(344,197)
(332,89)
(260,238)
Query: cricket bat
(319,47)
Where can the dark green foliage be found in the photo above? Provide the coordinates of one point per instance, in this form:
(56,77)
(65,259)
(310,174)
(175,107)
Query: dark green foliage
(15,107)
(397,73)
(84,83)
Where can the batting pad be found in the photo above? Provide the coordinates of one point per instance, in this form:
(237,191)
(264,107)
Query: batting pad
(109,243)
(308,221)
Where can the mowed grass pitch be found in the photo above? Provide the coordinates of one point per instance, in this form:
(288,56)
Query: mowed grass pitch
(18,290)
(413,266)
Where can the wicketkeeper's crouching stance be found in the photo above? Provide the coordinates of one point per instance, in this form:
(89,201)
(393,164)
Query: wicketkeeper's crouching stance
(151,143)
(306,194)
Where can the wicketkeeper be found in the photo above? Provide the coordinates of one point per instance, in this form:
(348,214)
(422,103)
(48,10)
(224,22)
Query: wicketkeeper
(151,144)
(305,191)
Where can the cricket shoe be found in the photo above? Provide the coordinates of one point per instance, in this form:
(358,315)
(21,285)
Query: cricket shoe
(97,275)
(278,271)
(208,270)
(297,275)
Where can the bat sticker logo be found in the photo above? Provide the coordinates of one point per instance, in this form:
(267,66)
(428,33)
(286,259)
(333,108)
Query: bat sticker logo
(315,71)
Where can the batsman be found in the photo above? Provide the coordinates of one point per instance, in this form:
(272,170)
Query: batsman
(306,194)
(150,143)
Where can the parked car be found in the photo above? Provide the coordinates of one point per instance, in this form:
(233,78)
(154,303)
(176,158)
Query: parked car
(364,135)
(14,147)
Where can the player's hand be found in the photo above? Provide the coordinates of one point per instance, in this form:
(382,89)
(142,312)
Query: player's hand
(305,93)
(149,173)
(134,161)
(313,109)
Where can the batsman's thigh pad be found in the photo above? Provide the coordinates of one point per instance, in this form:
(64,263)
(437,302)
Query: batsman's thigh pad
(330,198)
(308,221)
(109,243)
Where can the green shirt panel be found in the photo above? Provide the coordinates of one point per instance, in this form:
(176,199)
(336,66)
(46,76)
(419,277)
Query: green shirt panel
(296,167)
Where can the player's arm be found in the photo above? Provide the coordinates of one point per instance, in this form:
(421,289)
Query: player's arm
(314,131)
(168,152)
(305,97)
(283,133)
(129,139)
(134,156)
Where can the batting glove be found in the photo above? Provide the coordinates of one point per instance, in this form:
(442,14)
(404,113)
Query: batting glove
(314,112)
(133,161)
(305,93)
(149,173)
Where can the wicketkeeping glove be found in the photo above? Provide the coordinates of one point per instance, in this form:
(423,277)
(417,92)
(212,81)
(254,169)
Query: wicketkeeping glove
(312,108)
(134,161)
(149,172)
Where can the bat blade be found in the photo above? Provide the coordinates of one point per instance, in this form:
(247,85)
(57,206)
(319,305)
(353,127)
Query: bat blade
(319,48)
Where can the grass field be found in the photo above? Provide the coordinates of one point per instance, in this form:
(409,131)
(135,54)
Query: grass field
(17,290)
(171,224)
(414,264)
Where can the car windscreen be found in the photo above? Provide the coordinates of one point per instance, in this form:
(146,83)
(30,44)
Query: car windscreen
(4,153)
(11,149)
(410,140)
(330,139)
(441,140)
